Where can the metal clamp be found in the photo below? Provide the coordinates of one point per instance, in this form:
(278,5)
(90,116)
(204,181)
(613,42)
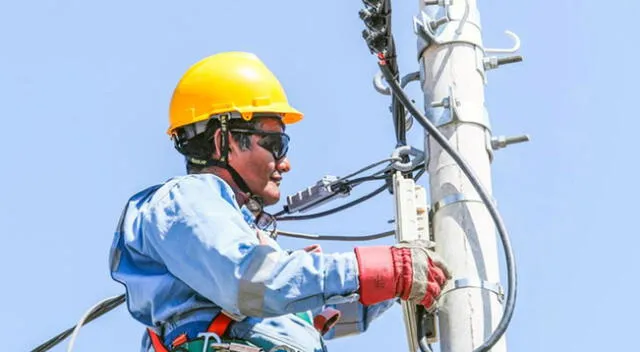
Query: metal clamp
(494,287)
(452,110)
(454,198)
(447,30)
(406,150)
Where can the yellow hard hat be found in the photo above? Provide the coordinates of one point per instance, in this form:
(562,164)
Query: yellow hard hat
(228,82)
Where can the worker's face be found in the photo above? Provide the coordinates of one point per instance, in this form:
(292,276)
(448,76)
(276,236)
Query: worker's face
(258,166)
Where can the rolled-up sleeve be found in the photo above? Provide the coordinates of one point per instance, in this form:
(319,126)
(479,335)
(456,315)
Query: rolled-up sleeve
(197,230)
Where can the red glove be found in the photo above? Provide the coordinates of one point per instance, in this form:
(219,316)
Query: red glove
(407,270)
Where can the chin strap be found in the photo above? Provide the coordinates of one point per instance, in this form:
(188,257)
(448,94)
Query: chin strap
(254,203)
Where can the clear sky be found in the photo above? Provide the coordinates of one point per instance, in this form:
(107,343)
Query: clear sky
(84,93)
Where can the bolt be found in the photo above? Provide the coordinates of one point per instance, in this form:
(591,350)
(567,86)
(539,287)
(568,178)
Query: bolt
(492,62)
(443,103)
(502,141)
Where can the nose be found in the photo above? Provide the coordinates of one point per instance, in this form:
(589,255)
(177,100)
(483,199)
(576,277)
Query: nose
(284,165)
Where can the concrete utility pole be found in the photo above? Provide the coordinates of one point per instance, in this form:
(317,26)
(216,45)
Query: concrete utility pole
(453,64)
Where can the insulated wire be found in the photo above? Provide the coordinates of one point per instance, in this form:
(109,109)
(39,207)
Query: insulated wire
(82,320)
(353,182)
(336,209)
(504,235)
(337,238)
(102,308)
(344,206)
(423,343)
(388,160)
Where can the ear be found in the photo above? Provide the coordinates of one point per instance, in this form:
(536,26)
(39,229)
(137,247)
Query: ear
(217,142)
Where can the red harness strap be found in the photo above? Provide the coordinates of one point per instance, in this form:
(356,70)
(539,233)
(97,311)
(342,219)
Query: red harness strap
(218,326)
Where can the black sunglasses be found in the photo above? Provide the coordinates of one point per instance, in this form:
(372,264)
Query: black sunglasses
(277,143)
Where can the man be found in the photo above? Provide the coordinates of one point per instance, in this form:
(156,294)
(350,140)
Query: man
(197,264)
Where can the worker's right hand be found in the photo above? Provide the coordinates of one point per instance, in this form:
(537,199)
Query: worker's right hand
(409,270)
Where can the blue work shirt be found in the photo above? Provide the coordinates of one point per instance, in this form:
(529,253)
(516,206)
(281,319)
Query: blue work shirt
(185,250)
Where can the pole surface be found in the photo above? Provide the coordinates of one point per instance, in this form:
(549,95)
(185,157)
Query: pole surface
(452,79)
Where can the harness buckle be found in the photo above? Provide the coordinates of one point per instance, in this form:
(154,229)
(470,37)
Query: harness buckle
(235,347)
(207,336)
(218,345)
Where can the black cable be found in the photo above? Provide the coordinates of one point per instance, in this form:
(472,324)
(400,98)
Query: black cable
(355,181)
(102,309)
(397,110)
(359,180)
(336,209)
(504,236)
(370,166)
(423,343)
(374,236)
(344,206)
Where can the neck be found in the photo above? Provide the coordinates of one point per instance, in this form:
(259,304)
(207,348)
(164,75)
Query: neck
(241,197)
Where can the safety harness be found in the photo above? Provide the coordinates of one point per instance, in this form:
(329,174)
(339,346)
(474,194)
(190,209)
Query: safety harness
(210,340)
(215,337)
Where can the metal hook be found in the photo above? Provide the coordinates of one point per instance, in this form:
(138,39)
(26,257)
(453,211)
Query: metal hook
(381,88)
(379,85)
(513,49)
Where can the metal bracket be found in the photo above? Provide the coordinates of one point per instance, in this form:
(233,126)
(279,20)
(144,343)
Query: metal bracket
(446,30)
(477,283)
(455,111)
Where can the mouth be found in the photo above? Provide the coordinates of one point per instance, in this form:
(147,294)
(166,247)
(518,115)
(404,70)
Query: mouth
(276,179)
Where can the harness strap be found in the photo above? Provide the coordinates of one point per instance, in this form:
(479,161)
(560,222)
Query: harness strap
(158,346)
(219,326)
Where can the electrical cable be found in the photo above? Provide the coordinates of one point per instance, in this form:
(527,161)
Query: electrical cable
(336,237)
(82,320)
(336,209)
(342,207)
(493,211)
(100,309)
(346,182)
(370,166)
(423,343)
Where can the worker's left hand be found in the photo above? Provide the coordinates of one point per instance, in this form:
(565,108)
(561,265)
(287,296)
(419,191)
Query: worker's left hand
(408,270)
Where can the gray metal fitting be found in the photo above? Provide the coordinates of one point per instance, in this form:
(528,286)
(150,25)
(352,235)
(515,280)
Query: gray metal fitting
(438,2)
(492,62)
(406,150)
(502,141)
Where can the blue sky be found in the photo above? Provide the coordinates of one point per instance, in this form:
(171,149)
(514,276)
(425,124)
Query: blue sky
(84,92)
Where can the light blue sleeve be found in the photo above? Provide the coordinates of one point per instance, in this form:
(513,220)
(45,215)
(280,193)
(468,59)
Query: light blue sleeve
(355,318)
(198,232)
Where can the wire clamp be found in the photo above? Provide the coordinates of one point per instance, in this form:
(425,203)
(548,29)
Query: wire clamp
(407,150)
